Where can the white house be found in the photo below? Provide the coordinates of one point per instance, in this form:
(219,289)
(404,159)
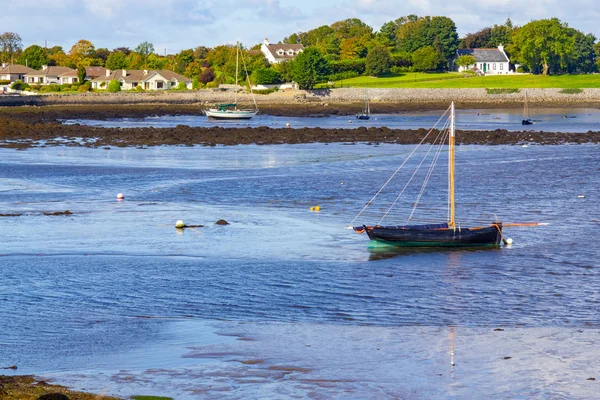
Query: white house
(147,79)
(277,53)
(47,75)
(488,61)
(13,72)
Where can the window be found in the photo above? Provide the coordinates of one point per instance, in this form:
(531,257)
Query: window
(290,52)
(494,66)
(501,66)
(159,85)
(280,52)
(134,84)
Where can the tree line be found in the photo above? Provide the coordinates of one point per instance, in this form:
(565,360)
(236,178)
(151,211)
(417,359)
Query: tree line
(341,50)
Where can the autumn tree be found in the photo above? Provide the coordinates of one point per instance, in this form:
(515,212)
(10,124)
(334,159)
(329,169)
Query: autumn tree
(145,49)
(34,57)
(10,44)
(83,53)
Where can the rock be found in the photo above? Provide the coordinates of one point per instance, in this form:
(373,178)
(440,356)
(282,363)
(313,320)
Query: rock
(507,357)
(53,396)
(11,367)
(591,379)
(498,330)
(222,222)
(66,212)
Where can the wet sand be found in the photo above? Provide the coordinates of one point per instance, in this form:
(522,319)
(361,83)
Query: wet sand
(23,127)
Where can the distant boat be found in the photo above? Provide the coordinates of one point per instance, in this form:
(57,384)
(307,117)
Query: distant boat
(526,120)
(445,234)
(366,114)
(230,111)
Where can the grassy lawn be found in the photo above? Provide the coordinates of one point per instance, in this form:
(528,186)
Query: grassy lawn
(455,80)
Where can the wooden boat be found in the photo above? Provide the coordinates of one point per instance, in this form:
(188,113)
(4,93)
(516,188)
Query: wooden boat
(229,111)
(526,120)
(366,114)
(446,234)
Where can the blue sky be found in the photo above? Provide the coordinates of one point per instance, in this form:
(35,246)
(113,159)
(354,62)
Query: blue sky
(178,24)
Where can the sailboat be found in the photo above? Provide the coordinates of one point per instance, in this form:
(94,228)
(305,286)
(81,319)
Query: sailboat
(366,114)
(230,111)
(527,120)
(444,234)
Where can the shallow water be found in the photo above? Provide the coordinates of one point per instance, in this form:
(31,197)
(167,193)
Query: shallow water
(574,120)
(111,287)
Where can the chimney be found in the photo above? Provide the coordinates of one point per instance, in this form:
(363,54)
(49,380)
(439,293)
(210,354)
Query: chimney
(500,47)
(107,72)
(3,65)
(44,67)
(124,73)
(145,72)
(266,41)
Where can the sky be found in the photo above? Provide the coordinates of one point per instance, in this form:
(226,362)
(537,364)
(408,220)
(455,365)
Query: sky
(173,25)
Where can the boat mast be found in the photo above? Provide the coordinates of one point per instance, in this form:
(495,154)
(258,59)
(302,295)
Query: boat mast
(367,110)
(237,54)
(451,223)
(526,107)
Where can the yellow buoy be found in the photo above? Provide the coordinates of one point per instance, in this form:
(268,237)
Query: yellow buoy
(179,224)
(312,209)
(287,125)
(317,208)
(509,241)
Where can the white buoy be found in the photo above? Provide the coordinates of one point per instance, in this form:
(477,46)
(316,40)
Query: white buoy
(581,196)
(509,241)
(120,196)
(287,125)
(179,224)
(524,145)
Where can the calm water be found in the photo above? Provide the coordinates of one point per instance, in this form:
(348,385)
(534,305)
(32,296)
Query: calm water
(546,119)
(77,291)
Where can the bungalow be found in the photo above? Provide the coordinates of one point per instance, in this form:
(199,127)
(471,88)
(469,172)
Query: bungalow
(277,53)
(147,79)
(13,72)
(488,61)
(71,77)
(47,75)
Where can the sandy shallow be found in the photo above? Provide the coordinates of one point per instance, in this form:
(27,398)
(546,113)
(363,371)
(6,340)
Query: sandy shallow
(273,361)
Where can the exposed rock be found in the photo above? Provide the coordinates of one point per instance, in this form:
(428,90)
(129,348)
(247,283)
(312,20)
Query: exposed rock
(66,212)
(222,222)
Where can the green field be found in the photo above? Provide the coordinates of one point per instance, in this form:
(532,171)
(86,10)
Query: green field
(456,80)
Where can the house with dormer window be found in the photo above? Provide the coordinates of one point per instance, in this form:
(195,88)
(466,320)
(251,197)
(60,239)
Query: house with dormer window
(276,53)
(487,61)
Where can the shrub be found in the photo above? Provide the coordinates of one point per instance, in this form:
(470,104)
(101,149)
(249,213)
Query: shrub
(17,85)
(266,91)
(4,82)
(65,87)
(523,69)
(102,84)
(502,91)
(378,61)
(343,75)
(114,86)
(53,87)
(182,86)
(396,70)
(195,83)
(571,91)
(139,88)
(84,88)
(356,65)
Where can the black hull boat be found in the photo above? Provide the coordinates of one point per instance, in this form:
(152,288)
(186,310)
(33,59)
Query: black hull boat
(527,122)
(363,116)
(448,234)
(433,235)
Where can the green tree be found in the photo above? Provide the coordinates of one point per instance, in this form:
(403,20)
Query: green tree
(266,76)
(34,57)
(426,59)
(351,28)
(81,73)
(285,70)
(114,86)
(10,44)
(583,59)
(310,68)
(116,60)
(544,45)
(145,49)
(465,61)
(419,32)
(182,86)
(378,61)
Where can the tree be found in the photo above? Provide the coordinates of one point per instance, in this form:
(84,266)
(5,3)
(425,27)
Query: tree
(310,68)
(583,59)
(208,75)
(114,86)
(34,57)
(10,43)
(285,70)
(351,28)
(193,69)
(82,53)
(544,45)
(81,73)
(124,50)
(266,76)
(116,60)
(145,49)
(419,32)
(426,59)
(465,61)
(103,54)
(378,61)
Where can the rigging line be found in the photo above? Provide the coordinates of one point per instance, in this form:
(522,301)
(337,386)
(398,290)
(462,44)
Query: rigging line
(415,173)
(248,80)
(397,170)
(435,159)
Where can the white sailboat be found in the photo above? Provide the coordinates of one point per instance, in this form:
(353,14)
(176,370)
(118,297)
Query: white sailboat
(229,111)
(365,115)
